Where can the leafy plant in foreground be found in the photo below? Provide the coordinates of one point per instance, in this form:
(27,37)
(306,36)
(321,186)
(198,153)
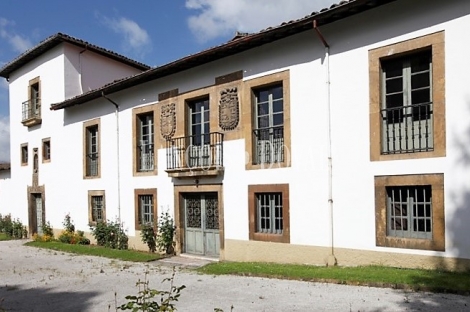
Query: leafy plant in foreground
(148,299)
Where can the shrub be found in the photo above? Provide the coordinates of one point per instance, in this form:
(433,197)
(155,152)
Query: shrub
(12,228)
(149,236)
(43,238)
(110,234)
(47,229)
(68,234)
(145,299)
(68,224)
(166,233)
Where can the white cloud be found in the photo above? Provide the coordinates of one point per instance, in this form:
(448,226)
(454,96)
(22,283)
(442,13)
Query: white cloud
(4,139)
(216,18)
(17,42)
(136,39)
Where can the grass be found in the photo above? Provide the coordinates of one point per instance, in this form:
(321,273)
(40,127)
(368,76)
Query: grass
(92,250)
(375,276)
(4,237)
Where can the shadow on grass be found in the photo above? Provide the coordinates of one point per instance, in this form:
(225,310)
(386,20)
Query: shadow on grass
(16,298)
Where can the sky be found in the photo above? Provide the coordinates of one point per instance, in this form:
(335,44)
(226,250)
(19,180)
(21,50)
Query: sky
(154,32)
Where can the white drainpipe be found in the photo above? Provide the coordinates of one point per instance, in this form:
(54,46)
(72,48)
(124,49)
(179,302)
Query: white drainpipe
(331,258)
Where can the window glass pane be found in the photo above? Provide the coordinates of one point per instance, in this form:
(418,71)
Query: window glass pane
(394,85)
(277,92)
(278,106)
(195,118)
(420,62)
(420,96)
(394,100)
(262,96)
(278,119)
(263,109)
(263,122)
(420,80)
(393,68)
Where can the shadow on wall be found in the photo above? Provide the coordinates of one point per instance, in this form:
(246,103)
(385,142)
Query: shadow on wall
(457,224)
(44,300)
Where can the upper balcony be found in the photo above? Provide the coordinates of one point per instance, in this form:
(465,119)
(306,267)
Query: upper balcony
(31,112)
(195,156)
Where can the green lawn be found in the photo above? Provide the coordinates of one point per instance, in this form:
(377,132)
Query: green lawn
(92,250)
(425,280)
(3,237)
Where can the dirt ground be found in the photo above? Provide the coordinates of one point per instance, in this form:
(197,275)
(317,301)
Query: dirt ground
(32,279)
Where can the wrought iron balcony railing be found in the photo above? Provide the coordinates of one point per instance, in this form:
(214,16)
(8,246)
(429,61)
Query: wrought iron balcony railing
(407,129)
(201,152)
(31,109)
(268,145)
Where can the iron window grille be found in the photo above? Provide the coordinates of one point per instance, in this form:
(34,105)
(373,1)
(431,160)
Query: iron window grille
(407,107)
(146,142)
(24,154)
(97,208)
(268,135)
(269,213)
(409,211)
(92,156)
(46,150)
(146,209)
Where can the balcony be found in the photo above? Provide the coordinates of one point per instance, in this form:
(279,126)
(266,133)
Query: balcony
(407,129)
(31,112)
(268,145)
(195,156)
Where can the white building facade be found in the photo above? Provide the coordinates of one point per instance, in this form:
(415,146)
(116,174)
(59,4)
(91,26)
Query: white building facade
(337,138)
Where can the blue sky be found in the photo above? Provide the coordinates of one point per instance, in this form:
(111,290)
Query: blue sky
(153,32)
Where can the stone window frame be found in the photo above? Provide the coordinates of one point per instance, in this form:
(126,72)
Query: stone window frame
(86,125)
(46,143)
(139,192)
(90,208)
(24,154)
(248,116)
(436,181)
(135,134)
(435,41)
(252,209)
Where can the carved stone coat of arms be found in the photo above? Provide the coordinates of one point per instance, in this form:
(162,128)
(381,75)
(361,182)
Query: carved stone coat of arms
(168,120)
(229,114)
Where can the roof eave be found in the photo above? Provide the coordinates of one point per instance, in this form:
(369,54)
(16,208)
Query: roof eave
(336,12)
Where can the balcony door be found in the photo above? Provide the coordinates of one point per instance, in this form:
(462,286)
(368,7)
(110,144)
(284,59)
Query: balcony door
(199,133)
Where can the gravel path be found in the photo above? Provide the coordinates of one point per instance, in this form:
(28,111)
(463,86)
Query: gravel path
(32,279)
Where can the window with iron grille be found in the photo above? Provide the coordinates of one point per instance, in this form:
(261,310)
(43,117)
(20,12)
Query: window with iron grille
(97,209)
(46,150)
(145,142)
(269,213)
(268,133)
(407,104)
(92,151)
(24,154)
(409,211)
(146,206)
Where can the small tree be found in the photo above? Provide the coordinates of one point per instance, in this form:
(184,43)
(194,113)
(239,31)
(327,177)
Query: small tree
(166,233)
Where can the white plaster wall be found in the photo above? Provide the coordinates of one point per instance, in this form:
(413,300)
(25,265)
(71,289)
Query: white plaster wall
(86,70)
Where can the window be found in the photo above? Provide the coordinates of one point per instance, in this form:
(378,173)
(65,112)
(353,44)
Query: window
(32,107)
(269,212)
(407,104)
(146,142)
(46,150)
(199,149)
(410,211)
(24,154)
(92,149)
(407,99)
(267,127)
(96,207)
(145,207)
(268,134)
